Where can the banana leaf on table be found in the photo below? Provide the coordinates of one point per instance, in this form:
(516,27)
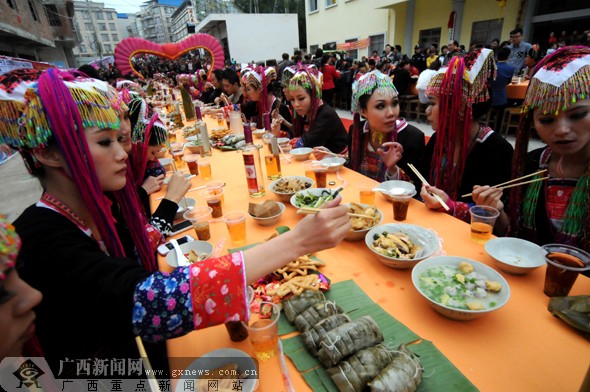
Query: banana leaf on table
(439,373)
(575,311)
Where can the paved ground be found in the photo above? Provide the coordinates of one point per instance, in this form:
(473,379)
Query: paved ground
(18,189)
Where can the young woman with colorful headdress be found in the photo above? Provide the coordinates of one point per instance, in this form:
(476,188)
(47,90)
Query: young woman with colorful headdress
(557,103)
(384,141)
(315,124)
(463,152)
(258,85)
(96,277)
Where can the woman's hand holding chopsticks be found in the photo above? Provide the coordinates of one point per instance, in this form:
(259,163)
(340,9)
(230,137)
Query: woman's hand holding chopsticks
(433,196)
(488,196)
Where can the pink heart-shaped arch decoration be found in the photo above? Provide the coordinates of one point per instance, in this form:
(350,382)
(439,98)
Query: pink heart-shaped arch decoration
(132,46)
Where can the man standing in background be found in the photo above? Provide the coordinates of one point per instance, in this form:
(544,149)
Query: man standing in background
(518,49)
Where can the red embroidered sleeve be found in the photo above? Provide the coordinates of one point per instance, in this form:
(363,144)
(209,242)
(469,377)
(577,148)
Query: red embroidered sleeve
(218,290)
(459,210)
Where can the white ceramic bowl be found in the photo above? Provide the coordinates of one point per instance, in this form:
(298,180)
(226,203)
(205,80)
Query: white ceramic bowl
(396,187)
(166,162)
(418,235)
(190,203)
(313,191)
(462,314)
(357,235)
(333,163)
(198,246)
(286,196)
(271,220)
(258,133)
(283,140)
(301,154)
(219,358)
(515,256)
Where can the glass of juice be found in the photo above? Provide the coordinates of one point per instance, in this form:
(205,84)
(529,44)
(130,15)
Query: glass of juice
(199,217)
(308,166)
(191,162)
(236,225)
(263,329)
(204,168)
(213,198)
(216,187)
(366,193)
(564,264)
(273,166)
(321,175)
(483,219)
(177,156)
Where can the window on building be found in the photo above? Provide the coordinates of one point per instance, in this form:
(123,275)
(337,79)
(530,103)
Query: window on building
(112,27)
(313,5)
(102,27)
(377,42)
(52,15)
(86,16)
(108,48)
(99,15)
(330,3)
(486,30)
(429,37)
(330,45)
(355,52)
(82,48)
(110,16)
(88,26)
(313,48)
(104,37)
(33,11)
(12,4)
(115,37)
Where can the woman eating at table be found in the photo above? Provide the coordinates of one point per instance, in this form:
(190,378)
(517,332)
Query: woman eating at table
(384,141)
(315,124)
(557,103)
(258,85)
(463,152)
(98,277)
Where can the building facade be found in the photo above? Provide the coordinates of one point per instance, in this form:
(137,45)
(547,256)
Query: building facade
(154,21)
(38,31)
(363,26)
(98,31)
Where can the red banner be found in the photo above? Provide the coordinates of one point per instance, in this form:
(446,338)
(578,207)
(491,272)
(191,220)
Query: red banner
(360,44)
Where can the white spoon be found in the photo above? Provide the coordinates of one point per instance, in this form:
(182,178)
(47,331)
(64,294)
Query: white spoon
(181,259)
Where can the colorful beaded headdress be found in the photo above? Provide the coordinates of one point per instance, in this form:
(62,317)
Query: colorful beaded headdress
(309,78)
(258,77)
(288,73)
(128,90)
(9,246)
(141,116)
(369,83)
(23,116)
(561,79)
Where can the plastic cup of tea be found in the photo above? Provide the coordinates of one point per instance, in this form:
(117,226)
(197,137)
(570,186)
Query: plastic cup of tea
(177,156)
(205,168)
(263,329)
(236,225)
(191,162)
(176,146)
(401,202)
(483,219)
(317,171)
(214,199)
(217,188)
(199,217)
(564,264)
(366,192)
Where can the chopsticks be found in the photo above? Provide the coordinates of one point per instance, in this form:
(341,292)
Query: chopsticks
(333,154)
(148,366)
(437,197)
(313,211)
(500,186)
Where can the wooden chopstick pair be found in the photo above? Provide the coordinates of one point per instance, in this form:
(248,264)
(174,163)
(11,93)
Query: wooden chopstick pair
(313,211)
(152,381)
(501,186)
(437,197)
(333,154)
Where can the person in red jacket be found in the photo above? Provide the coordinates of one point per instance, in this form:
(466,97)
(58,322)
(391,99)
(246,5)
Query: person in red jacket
(330,73)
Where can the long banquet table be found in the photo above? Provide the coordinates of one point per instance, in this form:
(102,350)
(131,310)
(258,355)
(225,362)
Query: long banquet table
(520,347)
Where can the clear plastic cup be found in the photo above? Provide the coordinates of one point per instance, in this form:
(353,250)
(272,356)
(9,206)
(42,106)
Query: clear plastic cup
(205,168)
(263,329)
(199,217)
(214,199)
(236,225)
(366,193)
(483,219)
(191,161)
(564,264)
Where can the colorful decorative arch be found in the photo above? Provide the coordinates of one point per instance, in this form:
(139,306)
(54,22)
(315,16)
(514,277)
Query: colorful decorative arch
(132,46)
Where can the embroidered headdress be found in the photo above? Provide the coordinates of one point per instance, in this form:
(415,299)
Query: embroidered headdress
(288,73)
(55,106)
(561,79)
(128,90)
(9,246)
(460,85)
(310,79)
(259,78)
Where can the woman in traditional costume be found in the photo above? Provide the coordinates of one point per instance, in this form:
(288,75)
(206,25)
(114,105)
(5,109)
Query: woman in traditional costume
(384,141)
(463,152)
(99,277)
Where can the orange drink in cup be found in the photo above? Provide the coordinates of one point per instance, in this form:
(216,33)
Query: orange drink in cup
(263,329)
(199,217)
(483,219)
(205,168)
(366,193)
(177,156)
(216,188)
(213,198)
(236,225)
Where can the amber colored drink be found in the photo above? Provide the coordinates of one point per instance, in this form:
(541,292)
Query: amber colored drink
(215,204)
(266,346)
(177,155)
(367,197)
(559,281)
(310,174)
(171,137)
(320,178)
(273,167)
(193,167)
(400,209)
(237,231)
(202,230)
(205,171)
(481,232)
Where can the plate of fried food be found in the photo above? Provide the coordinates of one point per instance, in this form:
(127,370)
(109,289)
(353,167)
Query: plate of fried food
(362,218)
(218,133)
(286,187)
